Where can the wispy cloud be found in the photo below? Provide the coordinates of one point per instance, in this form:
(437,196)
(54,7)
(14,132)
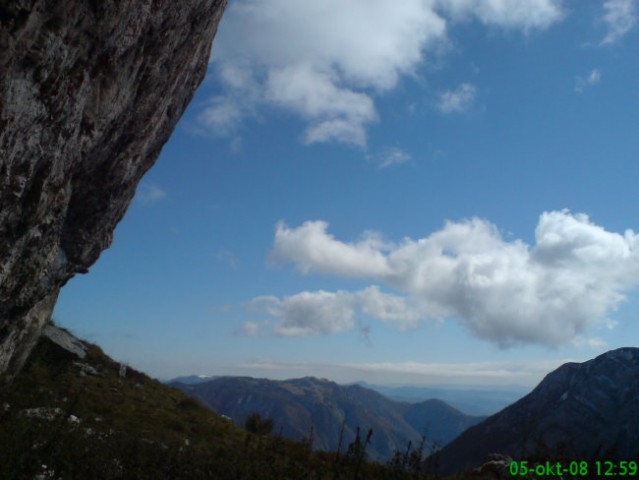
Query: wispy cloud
(594,343)
(477,373)
(476,370)
(229,258)
(221,116)
(582,83)
(526,15)
(149,193)
(389,157)
(458,100)
(507,292)
(620,18)
(276,53)
(252,329)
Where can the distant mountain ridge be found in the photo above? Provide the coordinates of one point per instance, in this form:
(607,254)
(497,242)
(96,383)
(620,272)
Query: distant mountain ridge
(191,379)
(474,400)
(580,410)
(299,404)
(470,399)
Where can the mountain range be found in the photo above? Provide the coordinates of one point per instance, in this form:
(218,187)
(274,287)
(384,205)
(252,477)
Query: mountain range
(470,399)
(318,409)
(584,411)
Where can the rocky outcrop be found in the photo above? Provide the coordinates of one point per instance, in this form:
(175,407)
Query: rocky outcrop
(64,339)
(89,93)
(579,411)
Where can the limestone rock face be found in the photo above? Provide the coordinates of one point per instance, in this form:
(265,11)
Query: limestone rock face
(89,93)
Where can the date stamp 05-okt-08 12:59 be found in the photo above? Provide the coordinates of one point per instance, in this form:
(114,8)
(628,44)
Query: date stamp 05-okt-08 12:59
(604,468)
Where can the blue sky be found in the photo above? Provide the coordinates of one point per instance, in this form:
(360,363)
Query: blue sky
(426,192)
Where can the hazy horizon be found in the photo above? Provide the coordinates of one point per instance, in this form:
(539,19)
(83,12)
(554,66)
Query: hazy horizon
(436,386)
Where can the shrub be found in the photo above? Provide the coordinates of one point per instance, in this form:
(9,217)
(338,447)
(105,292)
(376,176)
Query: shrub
(258,425)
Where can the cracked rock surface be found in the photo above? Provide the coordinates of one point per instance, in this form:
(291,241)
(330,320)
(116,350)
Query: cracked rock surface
(89,93)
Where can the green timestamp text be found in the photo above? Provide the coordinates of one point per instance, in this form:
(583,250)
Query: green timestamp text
(604,468)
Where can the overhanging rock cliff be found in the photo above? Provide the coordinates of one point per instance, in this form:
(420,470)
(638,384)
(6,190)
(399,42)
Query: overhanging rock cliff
(89,93)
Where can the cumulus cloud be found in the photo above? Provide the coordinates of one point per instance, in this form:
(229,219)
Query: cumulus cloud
(312,249)
(322,312)
(326,61)
(620,18)
(593,78)
(319,60)
(507,292)
(458,100)
(310,313)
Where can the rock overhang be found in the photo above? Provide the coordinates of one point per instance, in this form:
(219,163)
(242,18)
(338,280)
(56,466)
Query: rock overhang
(89,94)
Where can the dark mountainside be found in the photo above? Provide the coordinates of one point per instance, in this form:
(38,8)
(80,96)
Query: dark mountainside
(89,93)
(190,379)
(584,411)
(297,405)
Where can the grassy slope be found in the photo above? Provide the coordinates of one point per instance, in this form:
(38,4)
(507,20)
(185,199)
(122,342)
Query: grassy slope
(137,428)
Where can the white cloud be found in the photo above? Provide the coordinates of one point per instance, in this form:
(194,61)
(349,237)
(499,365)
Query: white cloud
(340,130)
(620,18)
(507,292)
(312,249)
(593,78)
(513,14)
(326,61)
(389,308)
(335,113)
(149,193)
(318,59)
(458,100)
(221,116)
(310,313)
(392,156)
(593,343)
(322,312)
(252,329)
